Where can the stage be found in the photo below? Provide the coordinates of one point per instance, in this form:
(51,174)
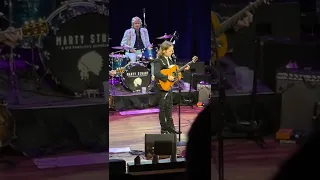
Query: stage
(127,131)
(128,128)
(50,122)
(122,99)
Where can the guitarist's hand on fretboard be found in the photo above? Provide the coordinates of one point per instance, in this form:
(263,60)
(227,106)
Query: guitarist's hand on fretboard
(187,68)
(245,22)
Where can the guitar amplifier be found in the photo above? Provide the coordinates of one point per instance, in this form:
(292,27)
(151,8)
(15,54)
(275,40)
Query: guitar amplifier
(198,78)
(204,92)
(300,90)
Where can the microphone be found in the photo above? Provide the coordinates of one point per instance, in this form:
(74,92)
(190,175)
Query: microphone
(174,58)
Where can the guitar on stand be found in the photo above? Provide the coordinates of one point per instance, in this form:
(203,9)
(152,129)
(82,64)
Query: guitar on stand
(30,29)
(174,71)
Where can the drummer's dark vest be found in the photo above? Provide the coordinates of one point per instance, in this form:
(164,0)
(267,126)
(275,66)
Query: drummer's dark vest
(138,44)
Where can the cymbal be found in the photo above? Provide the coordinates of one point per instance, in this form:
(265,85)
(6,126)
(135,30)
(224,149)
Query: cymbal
(121,47)
(165,37)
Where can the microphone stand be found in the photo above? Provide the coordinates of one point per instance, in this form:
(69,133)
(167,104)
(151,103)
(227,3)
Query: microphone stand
(179,111)
(34,73)
(144,18)
(221,98)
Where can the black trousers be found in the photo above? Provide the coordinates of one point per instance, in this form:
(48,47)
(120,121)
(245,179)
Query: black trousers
(165,100)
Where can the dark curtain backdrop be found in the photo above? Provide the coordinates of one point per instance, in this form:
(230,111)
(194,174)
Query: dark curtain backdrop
(190,18)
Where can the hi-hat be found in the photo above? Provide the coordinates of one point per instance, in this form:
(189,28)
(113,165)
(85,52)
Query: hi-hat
(165,37)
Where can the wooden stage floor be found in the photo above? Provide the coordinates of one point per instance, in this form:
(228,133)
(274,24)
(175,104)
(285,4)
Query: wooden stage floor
(129,130)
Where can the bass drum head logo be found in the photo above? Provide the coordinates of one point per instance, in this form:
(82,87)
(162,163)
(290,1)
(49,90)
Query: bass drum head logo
(136,77)
(90,63)
(78,52)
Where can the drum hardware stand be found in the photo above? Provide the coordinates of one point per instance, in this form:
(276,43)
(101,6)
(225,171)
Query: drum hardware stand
(13,78)
(34,73)
(40,79)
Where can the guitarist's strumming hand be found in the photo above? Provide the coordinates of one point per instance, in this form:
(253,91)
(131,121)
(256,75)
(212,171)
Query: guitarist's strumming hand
(171,78)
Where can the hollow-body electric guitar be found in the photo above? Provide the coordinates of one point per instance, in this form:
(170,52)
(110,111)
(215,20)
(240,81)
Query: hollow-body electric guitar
(220,29)
(175,71)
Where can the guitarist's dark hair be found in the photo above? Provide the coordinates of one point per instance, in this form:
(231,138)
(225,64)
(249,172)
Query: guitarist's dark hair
(163,47)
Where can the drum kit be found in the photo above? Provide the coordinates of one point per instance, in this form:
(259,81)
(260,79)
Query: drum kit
(134,75)
(72,55)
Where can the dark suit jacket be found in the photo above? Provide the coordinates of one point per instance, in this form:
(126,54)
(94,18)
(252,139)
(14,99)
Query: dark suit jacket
(159,64)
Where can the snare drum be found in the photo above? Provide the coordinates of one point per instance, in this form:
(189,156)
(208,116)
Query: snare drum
(136,76)
(117,61)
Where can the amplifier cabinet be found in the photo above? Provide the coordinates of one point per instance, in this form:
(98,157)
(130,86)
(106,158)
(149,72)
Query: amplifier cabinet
(300,90)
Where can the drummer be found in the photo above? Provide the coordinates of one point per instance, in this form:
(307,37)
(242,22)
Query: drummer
(136,38)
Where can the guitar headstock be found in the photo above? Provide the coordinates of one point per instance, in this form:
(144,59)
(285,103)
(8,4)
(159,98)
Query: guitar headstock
(35,28)
(119,71)
(194,59)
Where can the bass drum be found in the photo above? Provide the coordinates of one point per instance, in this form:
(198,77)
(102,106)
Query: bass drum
(135,77)
(75,52)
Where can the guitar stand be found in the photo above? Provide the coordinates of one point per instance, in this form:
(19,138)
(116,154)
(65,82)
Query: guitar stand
(13,77)
(6,164)
(34,73)
(40,80)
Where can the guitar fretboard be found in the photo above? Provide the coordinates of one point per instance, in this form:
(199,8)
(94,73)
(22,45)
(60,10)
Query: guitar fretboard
(229,23)
(183,67)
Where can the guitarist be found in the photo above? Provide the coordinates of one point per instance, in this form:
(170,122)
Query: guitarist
(231,38)
(165,98)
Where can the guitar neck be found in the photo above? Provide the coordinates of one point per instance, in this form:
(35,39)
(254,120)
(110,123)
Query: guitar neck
(229,23)
(183,67)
